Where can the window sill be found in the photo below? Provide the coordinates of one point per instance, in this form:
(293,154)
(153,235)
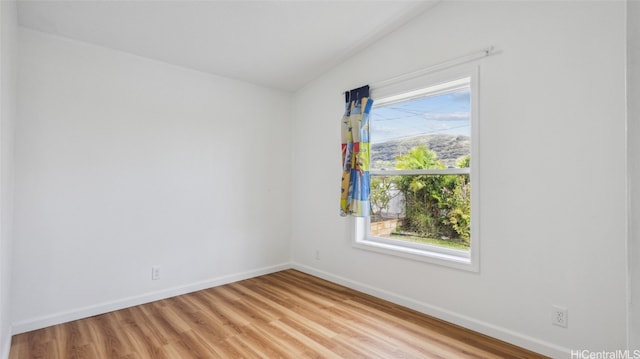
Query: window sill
(457,259)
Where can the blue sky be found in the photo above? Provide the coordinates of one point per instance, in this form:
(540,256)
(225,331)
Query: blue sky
(446,113)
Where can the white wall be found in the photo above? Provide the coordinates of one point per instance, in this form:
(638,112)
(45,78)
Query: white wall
(633,41)
(8,30)
(552,173)
(123,163)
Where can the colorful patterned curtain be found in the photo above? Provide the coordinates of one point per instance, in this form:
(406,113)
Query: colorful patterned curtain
(354,198)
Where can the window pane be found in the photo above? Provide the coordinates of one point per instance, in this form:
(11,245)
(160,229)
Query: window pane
(438,122)
(431,131)
(430,209)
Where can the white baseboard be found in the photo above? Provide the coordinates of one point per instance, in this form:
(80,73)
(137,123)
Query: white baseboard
(491,330)
(101,308)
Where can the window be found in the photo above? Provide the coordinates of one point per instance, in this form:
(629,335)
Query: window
(423,169)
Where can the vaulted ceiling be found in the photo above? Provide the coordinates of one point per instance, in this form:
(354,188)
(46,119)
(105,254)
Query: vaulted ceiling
(278,44)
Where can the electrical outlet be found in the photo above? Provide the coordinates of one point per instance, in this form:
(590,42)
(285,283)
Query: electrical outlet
(559,316)
(317,255)
(155,272)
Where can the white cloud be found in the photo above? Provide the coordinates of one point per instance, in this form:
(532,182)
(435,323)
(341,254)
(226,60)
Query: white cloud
(448,116)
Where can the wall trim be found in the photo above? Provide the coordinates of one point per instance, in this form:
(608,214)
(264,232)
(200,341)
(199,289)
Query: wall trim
(524,341)
(101,308)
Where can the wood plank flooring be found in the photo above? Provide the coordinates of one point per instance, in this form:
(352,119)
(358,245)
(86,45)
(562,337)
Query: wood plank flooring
(282,315)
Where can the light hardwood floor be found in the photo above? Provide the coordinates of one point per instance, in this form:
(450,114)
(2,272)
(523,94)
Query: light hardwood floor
(282,315)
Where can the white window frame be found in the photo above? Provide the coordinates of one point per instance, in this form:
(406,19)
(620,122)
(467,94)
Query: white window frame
(415,87)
